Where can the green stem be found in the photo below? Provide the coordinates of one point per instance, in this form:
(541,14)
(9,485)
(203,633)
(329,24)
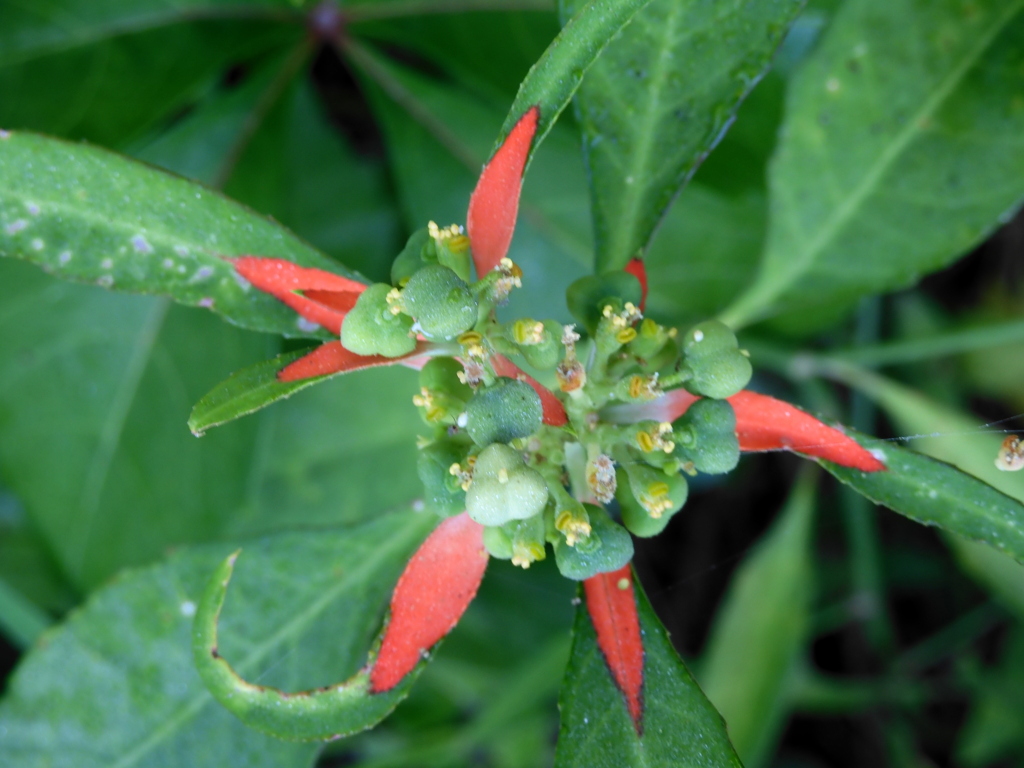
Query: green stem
(289,68)
(20,619)
(951,638)
(860,516)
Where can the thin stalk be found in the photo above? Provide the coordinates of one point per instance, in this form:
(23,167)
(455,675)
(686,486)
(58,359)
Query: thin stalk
(941,345)
(861,517)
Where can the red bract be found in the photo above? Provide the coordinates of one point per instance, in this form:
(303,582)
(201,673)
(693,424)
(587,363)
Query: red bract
(321,297)
(434,591)
(612,607)
(766,424)
(494,205)
(332,357)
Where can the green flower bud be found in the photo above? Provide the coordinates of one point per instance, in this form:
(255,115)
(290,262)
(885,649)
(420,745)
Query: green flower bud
(442,492)
(608,548)
(449,246)
(440,301)
(412,258)
(705,437)
(442,397)
(714,361)
(372,328)
(504,412)
(538,342)
(527,537)
(497,543)
(504,488)
(650,498)
(588,296)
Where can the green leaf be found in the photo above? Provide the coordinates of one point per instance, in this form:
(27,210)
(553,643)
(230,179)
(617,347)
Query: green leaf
(768,601)
(246,391)
(108,71)
(680,727)
(659,99)
(902,147)
(95,388)
(91,216)
(302,612)
(553,80)
(935,493)
(952,435)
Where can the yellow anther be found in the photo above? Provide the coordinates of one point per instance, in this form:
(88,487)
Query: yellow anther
(469,337)
(626,335)
(425,399)
(453,236)
(510,268)
(622,583)
(502,475)
(464,473)
(644,387)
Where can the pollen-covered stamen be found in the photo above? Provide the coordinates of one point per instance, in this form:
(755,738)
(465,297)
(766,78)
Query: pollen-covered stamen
(472,373)
(570,372)
(601,477)
(425,399)
(463,472)
(574,525)
(509,277)
(621,322)
(657,438)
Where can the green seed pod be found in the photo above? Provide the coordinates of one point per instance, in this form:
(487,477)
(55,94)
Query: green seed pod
(712,357)
(608,548)
(650,498)
(504,488)
(442,493)
(412,258)
(497,543)
(706,437)
(504,412)
(440,301)
(371,328)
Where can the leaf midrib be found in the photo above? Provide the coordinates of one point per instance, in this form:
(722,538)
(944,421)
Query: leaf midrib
(300,621)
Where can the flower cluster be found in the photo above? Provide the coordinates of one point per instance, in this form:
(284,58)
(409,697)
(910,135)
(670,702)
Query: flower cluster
(517,469)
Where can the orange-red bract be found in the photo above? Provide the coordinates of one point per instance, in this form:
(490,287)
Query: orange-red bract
(433,592)
(554,411)
(332,357)
(325,297)
(766,424)
(494,205)
(612,607)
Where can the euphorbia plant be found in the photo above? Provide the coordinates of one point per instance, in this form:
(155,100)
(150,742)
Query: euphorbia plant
(511,467)
(547,435)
